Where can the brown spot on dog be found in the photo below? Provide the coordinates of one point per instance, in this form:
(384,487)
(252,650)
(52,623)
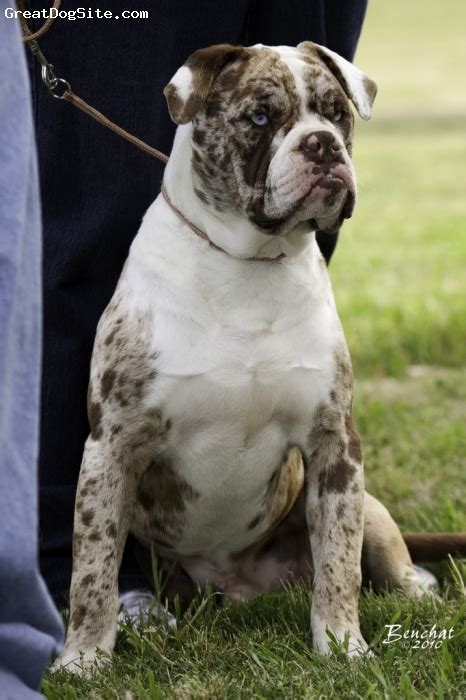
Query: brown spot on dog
(87,516)
(343,371)
(108,379)
(122,379)
(168,492)
(370,87)
(95,420)
(122,400)
(109,339)
(201,195)
(354,443)
(336,478)
(77,541)
(111,530)
(199,137)
(95,536)
(88,580)
(77,618)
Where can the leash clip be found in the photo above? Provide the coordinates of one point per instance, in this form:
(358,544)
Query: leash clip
(49,78)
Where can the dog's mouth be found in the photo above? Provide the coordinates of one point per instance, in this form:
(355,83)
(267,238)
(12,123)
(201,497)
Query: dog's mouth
(333,180)
(323,199)
(332,199)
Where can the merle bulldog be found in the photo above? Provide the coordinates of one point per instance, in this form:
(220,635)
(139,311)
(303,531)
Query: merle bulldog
(221,385)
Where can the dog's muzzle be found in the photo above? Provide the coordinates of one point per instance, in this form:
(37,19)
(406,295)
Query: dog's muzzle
(330,178)
(314,180)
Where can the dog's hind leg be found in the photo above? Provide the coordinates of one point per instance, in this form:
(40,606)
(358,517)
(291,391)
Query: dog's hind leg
(386,562)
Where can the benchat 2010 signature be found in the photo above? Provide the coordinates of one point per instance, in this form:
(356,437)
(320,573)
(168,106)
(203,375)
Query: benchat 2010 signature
(430,638)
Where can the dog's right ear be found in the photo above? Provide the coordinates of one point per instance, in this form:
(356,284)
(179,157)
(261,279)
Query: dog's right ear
(188,89)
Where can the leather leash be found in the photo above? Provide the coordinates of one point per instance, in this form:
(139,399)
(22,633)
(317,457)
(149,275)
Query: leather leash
(199,232)
(61,90)
(54,84)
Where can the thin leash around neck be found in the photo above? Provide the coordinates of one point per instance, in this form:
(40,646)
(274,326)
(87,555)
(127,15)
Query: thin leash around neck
(60,89)
(199,232)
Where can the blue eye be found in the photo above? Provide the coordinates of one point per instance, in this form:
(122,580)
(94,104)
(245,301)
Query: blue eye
(260,119)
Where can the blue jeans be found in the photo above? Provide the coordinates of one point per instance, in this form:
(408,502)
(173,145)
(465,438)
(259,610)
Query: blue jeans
(30,628)
(96,188)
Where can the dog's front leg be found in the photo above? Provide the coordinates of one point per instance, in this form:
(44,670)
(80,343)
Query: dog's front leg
(100,530)
(334,511)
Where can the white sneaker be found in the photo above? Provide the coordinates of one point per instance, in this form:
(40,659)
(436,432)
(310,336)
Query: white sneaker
(139,607)
(426,578)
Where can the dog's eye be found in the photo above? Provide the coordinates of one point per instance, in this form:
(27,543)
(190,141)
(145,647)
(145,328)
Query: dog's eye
(338,115)
(260,119)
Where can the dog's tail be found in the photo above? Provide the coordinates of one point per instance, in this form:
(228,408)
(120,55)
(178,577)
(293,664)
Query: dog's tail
(434,546)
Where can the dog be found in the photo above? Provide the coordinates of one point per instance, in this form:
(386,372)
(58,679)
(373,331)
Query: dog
(220,390)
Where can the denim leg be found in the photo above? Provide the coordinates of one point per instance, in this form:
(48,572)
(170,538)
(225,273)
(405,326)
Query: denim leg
(30,628)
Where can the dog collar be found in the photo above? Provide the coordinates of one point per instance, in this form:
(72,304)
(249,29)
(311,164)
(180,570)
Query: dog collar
(206,238)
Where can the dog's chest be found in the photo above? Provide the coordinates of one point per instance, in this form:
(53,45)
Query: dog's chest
(239,386)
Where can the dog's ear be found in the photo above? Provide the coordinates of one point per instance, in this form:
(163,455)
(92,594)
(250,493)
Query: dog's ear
(188,89)
(360,89)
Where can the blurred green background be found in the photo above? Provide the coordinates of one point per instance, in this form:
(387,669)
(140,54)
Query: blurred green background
(399,272)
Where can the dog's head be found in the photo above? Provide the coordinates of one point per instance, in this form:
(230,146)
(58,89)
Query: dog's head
(272,131)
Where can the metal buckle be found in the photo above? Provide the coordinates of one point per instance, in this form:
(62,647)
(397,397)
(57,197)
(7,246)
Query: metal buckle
(49,78)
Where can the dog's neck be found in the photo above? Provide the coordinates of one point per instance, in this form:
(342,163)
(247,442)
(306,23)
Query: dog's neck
(233,233)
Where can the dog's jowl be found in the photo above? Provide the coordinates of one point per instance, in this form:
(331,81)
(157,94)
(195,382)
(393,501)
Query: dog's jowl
(221,385)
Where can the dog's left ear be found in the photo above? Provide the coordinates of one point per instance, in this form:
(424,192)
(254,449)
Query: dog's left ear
(360,89)
(188,89)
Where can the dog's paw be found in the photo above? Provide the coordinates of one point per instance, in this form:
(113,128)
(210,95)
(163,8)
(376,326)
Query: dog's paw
(349,641)
(80,662)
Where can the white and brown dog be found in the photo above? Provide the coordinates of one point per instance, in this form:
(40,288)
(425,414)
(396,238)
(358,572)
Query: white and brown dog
(221,384)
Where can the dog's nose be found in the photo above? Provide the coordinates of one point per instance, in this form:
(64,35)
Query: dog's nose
(321,146)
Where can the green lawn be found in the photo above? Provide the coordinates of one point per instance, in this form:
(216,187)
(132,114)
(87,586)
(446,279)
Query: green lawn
(399,273)
(399,276)
(261,649)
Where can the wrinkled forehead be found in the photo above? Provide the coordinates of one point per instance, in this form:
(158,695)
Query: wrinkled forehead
(276,74)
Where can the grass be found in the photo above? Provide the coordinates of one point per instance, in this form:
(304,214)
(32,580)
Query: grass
(416,52)
(261,649)
(398,274)
(400,283)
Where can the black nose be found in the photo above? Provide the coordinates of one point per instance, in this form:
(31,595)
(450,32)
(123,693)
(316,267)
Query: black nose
(320,146)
